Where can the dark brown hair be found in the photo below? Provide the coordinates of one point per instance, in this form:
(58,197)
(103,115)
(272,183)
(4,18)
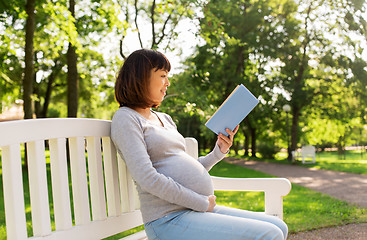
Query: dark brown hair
(132,82)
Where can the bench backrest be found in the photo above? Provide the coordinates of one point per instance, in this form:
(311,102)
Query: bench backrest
(308,150)
(83,166)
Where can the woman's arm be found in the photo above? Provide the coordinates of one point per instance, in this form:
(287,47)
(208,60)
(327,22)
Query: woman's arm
(220,150)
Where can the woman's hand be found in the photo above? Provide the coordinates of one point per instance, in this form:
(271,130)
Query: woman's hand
(212,203)
(225,142)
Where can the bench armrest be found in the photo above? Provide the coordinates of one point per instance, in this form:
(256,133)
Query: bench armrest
(274,188)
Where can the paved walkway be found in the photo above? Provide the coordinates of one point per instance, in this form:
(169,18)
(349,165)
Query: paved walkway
(346,232)
(344,186)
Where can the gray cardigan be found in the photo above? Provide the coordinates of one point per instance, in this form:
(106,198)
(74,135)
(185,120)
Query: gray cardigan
(167,178)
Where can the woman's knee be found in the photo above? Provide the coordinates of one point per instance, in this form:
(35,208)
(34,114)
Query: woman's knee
(272,232)
(282,226)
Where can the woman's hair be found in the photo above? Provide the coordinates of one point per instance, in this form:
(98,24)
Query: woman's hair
(132,83)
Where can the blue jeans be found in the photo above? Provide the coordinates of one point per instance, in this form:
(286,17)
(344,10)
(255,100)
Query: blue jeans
(223,223)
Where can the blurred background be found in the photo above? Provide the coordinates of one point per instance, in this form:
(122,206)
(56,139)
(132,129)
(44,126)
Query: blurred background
(304,60)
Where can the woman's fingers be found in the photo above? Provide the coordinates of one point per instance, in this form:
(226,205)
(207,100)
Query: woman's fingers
(225,142)
(225,138)
(232,133)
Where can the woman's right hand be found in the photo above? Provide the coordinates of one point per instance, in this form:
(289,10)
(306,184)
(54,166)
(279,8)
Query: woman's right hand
(212,203)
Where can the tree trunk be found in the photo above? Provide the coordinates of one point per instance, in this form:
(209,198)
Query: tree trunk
(2,87)
(50,84)
(37,102)
(247,143)
(29,64)
(340,146)
(236,146)
(253,142)
(72,77)
(294,128)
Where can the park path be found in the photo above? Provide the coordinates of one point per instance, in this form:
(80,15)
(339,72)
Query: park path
(344,186)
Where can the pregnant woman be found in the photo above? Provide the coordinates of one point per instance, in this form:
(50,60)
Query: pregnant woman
(175,190)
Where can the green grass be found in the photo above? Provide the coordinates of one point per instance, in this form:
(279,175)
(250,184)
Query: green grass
(352,161)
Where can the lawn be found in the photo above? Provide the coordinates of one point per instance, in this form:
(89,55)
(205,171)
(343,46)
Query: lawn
(304,209)
(352,161)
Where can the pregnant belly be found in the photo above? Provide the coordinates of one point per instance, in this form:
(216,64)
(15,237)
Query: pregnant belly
(188,172)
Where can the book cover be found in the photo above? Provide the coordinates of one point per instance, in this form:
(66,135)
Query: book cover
(233,110)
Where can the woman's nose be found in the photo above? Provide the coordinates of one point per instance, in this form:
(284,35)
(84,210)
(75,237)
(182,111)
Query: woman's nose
(167,82)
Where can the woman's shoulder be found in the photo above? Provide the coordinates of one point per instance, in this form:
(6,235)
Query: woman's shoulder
(125,115)
(122,111)
(124,124)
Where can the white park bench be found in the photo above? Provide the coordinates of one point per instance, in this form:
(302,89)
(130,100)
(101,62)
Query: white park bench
(305,154)
(103,194)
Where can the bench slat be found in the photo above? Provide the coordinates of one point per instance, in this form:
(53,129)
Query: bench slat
(111,177)
(49,128)
(136,198)
(16,226)
(38,188)
(79,180)
(60,184)
(96,181)
(136,236)
(97,229)
(131,189)
(123,185)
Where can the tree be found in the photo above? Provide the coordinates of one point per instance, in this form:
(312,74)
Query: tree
(72,77)
(29,62)
(235,53)
(308,43)
(54,27)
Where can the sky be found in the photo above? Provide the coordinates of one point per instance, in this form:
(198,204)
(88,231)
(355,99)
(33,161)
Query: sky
(186,41)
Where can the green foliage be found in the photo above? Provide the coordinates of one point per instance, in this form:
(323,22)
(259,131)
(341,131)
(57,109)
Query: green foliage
(305,53)
(267,150)
(55,27)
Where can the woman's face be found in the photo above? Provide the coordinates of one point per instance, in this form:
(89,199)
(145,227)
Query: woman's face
(158,84)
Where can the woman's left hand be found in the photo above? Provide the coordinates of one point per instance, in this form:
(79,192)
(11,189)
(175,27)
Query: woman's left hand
(225,142)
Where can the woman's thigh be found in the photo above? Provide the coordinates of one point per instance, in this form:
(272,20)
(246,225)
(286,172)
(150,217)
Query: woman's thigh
(191,225)
(253,215)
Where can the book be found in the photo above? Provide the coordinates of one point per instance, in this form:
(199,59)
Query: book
(233,110)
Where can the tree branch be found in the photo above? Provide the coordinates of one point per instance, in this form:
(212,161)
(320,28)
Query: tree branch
(164,27)
(153,22)
(171,36)
(127,16)
(136,22)
(121,52)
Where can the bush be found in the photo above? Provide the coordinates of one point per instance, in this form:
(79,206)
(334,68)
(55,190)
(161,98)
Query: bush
(268,150)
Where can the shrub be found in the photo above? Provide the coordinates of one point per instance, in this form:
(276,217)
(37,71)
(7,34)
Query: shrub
(268,150)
